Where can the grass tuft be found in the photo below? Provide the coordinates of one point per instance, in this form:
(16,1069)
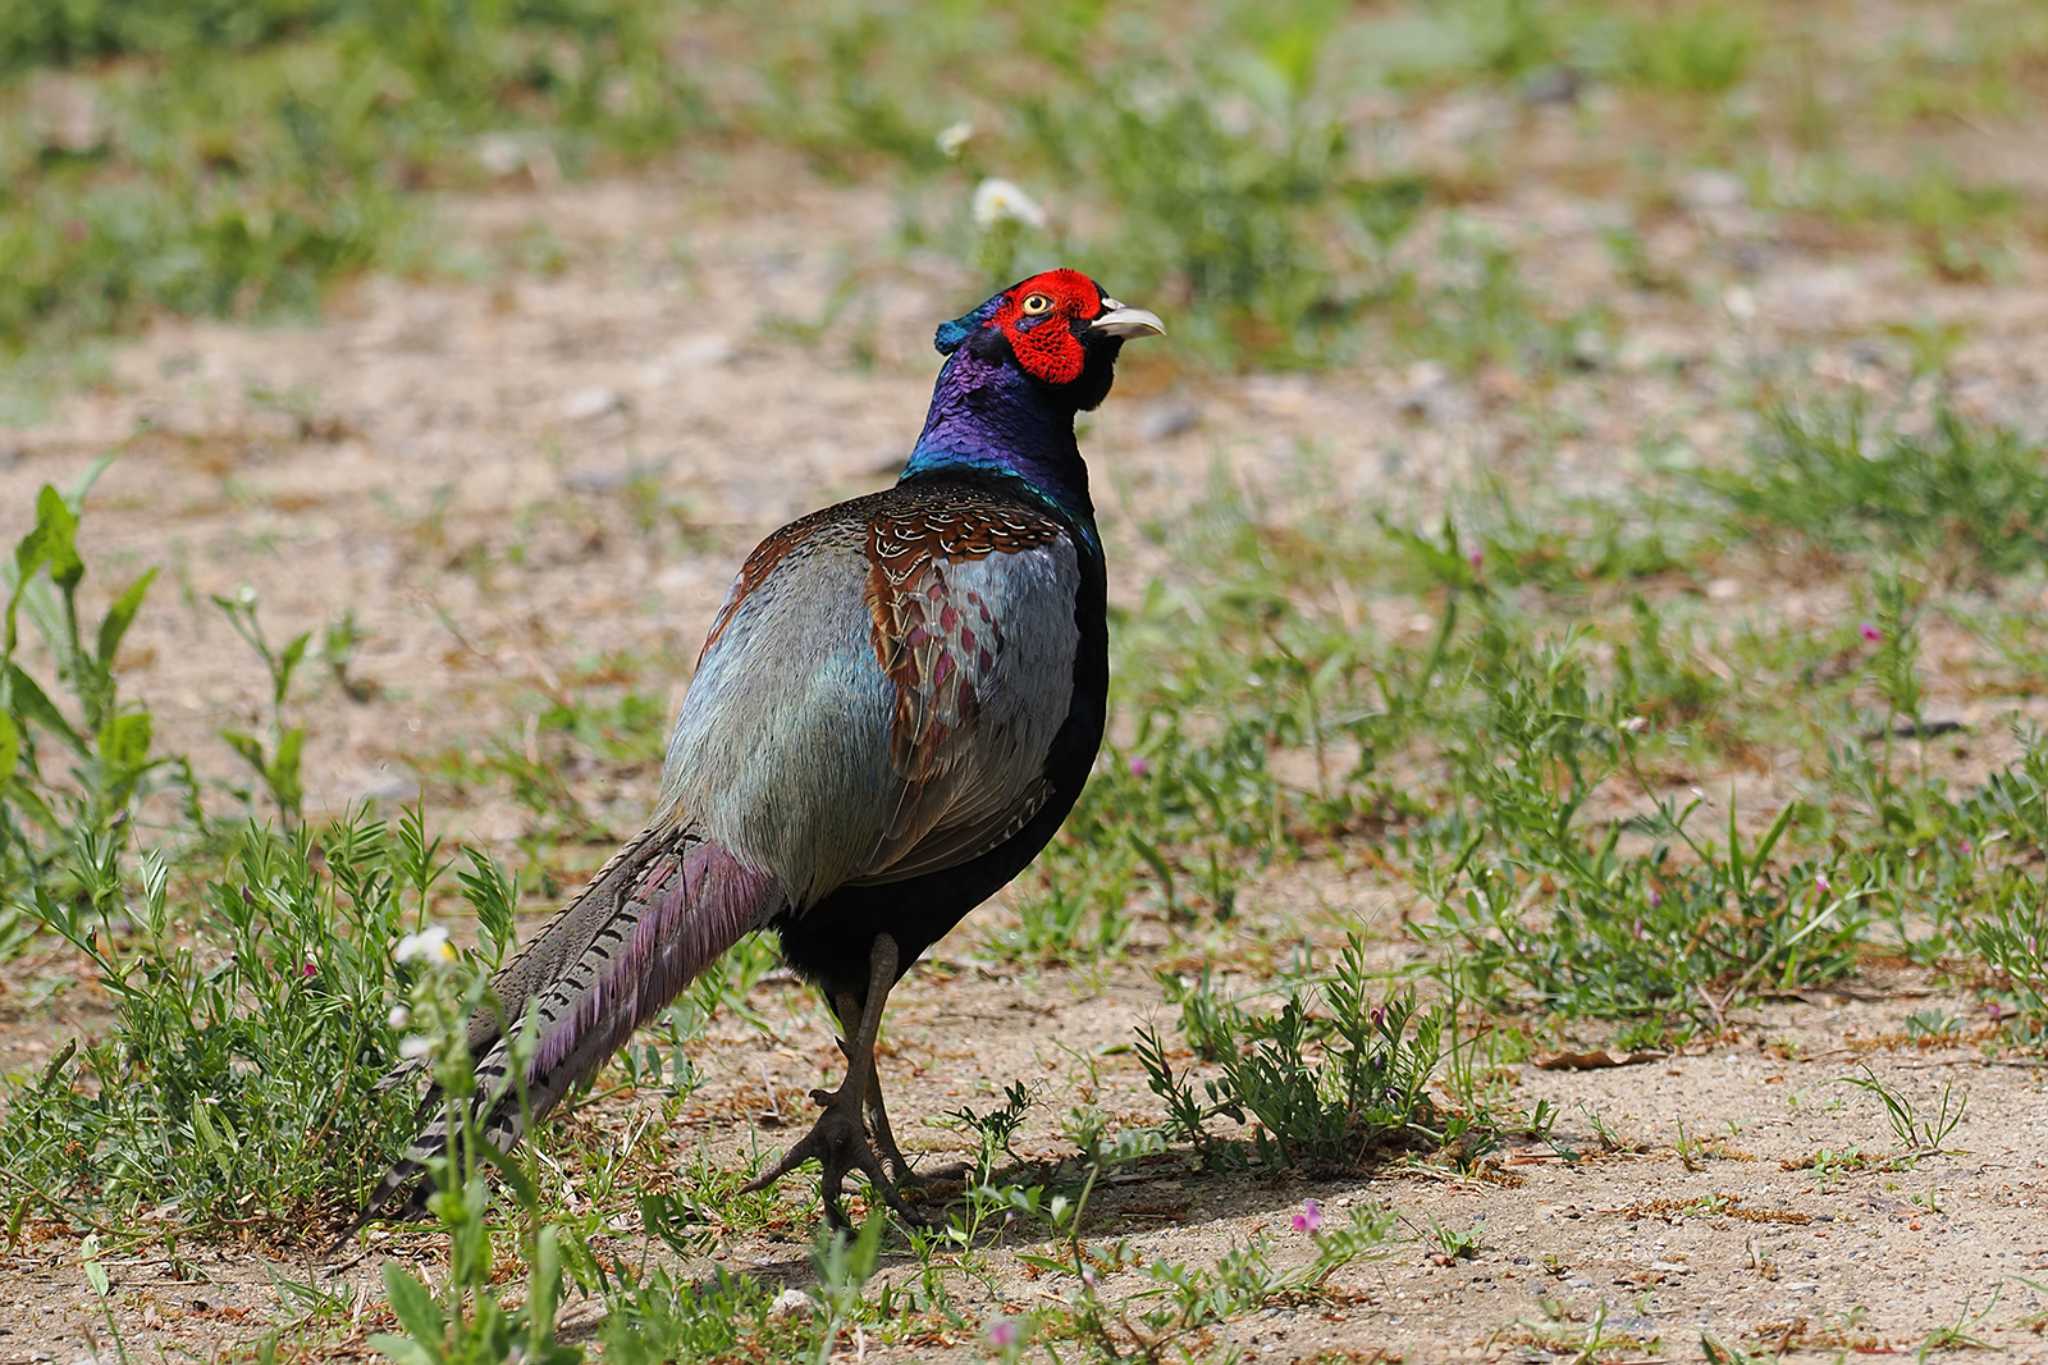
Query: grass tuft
(1961,498)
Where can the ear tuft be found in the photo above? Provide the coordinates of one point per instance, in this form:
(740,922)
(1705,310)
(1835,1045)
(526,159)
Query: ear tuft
(951,335)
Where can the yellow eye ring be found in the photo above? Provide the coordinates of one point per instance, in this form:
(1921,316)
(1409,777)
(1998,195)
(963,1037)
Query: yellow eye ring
(1034,304)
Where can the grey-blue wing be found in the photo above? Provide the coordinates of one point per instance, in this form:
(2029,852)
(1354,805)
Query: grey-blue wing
(880,691)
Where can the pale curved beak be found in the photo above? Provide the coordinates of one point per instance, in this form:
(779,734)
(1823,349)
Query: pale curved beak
(1120,320)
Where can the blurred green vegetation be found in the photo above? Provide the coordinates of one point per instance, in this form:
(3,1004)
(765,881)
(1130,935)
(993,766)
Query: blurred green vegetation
(239,156)
(1256,168)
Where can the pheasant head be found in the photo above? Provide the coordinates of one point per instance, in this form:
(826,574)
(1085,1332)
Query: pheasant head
(1058,327)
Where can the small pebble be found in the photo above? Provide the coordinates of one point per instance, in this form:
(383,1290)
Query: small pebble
(1166,420)
(1552,85)
(587,405)
(1712,190)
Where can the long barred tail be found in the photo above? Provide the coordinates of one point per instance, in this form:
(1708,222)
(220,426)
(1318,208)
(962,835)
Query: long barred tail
(663,909)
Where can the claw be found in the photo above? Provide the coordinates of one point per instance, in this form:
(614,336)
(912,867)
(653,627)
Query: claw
(840,1144)
(793,1158)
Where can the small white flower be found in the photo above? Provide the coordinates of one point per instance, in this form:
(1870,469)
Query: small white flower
(399,1017)
(953,137)
(414,1047)
(1000,201)
(428,945)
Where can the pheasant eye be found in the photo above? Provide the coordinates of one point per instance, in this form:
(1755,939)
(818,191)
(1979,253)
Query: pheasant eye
(1034,304)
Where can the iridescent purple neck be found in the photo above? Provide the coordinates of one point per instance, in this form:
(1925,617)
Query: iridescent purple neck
(988,417)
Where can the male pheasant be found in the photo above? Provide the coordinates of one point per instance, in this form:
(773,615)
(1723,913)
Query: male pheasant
(897,705)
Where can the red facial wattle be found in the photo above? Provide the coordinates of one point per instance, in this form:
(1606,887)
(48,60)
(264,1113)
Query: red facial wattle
(1044,343)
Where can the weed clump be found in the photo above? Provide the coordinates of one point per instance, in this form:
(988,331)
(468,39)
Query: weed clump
(1329,1081)
(234,1086)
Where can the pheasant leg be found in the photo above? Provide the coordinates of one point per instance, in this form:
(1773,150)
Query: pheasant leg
(839,1140)
(879,1131)
(878,1127)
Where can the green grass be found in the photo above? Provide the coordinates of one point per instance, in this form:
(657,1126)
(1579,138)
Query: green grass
(1687,50)
(655,1314)
(71,766)
(585,724)
(85,31)
(212,158)
(239,159)
(1335,1078)
(1256,227)
(1958,498)
(232,1086)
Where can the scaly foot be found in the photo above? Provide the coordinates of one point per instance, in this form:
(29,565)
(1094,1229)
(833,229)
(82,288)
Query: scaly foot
(840,1143)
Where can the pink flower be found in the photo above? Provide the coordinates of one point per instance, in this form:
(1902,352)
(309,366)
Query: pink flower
(1656,898)
(1140,766)
(1476,558)
(1872,633)
(1004,1333)
(309,968)
(1310,1218)
(1822,884)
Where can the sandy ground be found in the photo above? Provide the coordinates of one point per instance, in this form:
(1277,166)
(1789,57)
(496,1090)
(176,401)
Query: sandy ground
(467,468)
